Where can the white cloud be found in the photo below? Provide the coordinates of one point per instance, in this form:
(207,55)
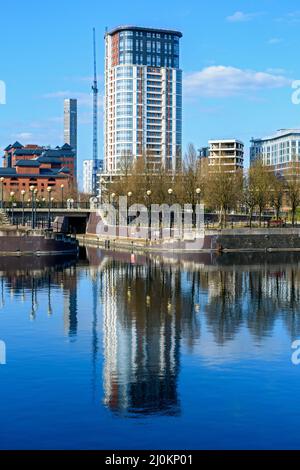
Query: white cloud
(23,135)
(292,17)
(239,17)
(273,41)
(222,81)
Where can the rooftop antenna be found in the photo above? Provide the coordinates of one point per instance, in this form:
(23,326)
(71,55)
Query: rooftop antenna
(95,119)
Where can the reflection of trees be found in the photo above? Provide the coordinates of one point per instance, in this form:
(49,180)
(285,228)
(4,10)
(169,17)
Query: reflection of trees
(31,283)
(254,298)
(224,308)
(291,317)
(262,309)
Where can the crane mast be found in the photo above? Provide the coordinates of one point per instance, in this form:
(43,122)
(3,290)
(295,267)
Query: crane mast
(95,119)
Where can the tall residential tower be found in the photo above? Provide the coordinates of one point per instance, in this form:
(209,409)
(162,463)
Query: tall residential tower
(70,127)
(143,98)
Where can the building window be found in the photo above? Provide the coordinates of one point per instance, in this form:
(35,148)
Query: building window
(128,58)
(124,85)
(128,45)
(124,72)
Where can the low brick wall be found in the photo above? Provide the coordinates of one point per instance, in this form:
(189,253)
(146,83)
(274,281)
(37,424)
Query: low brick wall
(257,240)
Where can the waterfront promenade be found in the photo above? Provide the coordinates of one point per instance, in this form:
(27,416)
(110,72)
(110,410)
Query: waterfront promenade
(225,240)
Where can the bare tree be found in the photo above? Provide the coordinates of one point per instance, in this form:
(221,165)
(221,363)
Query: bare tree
(249,196)
(223,191)
(293,194)
(278,187)
(261,179)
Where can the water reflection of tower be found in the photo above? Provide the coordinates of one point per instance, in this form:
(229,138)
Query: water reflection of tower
(110,338)
(70,301)
(142,329)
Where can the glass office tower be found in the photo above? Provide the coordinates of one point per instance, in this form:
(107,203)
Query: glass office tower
(143,98)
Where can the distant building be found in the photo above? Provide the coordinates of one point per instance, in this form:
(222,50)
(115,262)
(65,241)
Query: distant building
(70,127)
(88,176)
(41,167)
(88,166)
(143,98)
(228,154)
(280,151)
(203,152)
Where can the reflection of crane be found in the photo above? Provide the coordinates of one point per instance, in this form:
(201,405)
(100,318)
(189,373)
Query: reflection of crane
(95,347)
(95,119)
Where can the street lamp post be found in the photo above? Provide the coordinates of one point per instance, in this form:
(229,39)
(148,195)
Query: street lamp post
(52,202)
(129,194)
(198,193)
(62,196)
(35,207)
(170,192)
(23,192)
(49,189)
(2,192)
(32,188)
(149,193)
(12,195)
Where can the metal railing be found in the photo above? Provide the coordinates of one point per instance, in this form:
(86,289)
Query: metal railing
(76,205)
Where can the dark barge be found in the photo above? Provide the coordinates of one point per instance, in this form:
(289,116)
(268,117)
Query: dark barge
(18,242)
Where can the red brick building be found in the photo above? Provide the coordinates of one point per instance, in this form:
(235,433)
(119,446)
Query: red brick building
(32,165)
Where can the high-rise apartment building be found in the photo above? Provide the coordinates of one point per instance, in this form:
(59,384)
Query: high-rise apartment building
(88,167)
(70,126)
(228,154)
(280,152)
(143,98)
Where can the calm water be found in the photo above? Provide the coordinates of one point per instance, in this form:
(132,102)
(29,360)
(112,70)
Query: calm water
(121,351)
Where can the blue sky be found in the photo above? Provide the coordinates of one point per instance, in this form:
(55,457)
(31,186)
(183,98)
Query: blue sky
(239,59)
